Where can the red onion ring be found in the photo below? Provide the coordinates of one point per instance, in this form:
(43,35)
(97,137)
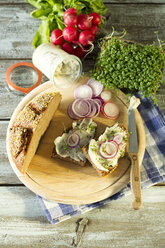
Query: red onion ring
(108,155)
(73,140)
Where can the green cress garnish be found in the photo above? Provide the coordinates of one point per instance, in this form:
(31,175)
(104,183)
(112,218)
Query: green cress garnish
(130,66)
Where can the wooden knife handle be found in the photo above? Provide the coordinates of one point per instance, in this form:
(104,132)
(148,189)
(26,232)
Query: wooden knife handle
(136,181)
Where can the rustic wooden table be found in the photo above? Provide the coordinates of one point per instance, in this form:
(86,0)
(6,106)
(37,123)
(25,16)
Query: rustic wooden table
(22,222)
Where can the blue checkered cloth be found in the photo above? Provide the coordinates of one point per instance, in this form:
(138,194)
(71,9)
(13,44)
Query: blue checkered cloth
(152,169)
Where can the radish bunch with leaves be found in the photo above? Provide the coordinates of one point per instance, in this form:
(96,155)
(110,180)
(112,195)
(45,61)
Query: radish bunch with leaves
(51,12)
(80,32)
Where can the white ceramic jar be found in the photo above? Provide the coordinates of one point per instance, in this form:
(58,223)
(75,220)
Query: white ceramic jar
(60,67)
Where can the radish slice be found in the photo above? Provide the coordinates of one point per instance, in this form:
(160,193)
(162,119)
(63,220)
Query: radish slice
(108,149)
(83,91)
(70,113)
(110,110)
(118,138)
(96,86)
(81,108)
(106,95)
(99,100)
(73,140)
(111,148)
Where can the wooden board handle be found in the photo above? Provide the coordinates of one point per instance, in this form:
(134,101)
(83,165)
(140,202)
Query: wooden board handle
(135,181)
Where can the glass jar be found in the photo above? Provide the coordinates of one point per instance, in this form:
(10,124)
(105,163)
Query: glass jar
(60,67)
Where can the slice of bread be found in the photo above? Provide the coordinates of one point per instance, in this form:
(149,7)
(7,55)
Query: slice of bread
(79,124)
(30,125)
(110,169)
(100,172)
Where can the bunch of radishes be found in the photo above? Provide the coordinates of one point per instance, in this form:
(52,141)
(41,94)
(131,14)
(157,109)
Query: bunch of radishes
(79,33)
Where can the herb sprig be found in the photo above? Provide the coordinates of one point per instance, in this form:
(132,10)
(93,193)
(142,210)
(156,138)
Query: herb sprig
(130,66)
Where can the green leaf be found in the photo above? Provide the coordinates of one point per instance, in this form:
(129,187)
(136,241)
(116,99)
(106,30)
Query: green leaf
(60,23)
(42,35)
(41,12)
(34,3)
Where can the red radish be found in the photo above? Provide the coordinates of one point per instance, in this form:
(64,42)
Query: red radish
(96,86)
(84,22)
(75,42)
(80,52)
(111,148)
(96,18)
(118,138)
(67,47)
(86,38)
(70,11)
(83,91)
(110,110)
(94,29)
(70,34)
(56,37)
(106,95)
(70,20)
(108,149)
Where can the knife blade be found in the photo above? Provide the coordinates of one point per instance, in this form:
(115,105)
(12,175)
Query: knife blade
(133,154)
(133,144)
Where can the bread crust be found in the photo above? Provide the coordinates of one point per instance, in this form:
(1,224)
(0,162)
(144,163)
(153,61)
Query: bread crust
(110,169)
(24,126)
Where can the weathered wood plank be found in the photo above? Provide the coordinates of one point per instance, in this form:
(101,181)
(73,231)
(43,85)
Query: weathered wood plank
(7,175)
(22,223)
(140,21)
(105,1)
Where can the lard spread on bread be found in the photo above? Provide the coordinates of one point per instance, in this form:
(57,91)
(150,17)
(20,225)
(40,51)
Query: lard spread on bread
(70,144)
(110,146)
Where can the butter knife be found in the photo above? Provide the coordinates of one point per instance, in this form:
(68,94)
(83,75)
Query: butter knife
(133,154)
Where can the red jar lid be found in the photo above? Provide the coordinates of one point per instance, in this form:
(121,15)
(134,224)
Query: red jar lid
(18,88)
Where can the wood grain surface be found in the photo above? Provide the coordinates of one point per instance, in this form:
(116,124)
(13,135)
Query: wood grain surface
(45,176)
(115,225)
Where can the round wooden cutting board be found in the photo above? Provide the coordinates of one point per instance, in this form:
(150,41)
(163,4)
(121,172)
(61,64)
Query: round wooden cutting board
(64,182)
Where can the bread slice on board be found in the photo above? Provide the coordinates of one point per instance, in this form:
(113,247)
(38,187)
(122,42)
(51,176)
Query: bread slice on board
(110,169)
(30,125)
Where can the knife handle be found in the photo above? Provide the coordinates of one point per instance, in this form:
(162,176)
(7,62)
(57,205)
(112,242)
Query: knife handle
(136,181)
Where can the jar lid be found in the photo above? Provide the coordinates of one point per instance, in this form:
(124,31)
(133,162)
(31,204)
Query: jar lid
(23,74)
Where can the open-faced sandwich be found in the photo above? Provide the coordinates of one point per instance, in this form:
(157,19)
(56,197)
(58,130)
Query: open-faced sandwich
(105,152)
(69,145)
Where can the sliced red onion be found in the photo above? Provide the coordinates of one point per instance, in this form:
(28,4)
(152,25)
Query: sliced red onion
(110,110)
(96,86)
(99,100)
(73,140)
(118,138)
(83,91)
(93,108)
(111,149)
(106,95)
(81,108)
(97,109)
(70,113)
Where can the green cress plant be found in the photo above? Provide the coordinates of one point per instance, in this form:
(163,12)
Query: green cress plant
(51,13)
(130,66)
